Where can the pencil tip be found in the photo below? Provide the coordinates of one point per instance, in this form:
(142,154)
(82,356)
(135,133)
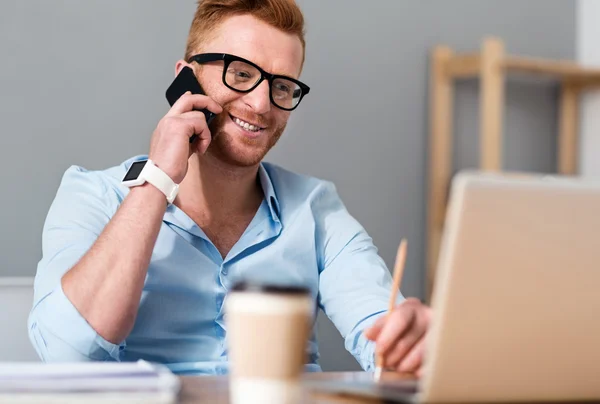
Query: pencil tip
(377,375)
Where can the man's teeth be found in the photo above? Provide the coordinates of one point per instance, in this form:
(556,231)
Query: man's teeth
(246,125)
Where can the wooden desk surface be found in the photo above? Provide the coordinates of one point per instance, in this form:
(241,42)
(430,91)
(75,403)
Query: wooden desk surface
(215,389)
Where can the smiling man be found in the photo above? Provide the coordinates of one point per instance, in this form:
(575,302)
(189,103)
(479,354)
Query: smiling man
(138,258)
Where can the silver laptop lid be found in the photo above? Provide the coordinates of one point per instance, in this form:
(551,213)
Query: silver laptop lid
(517,297)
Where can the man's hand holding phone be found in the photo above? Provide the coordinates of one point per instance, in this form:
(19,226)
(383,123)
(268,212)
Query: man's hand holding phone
(170,146)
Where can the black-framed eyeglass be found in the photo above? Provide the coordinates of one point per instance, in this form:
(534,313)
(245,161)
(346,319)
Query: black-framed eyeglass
(243,76)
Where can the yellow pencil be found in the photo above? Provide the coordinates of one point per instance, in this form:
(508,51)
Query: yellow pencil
(398,271)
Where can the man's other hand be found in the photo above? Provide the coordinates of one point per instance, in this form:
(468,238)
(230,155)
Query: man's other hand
(400,336)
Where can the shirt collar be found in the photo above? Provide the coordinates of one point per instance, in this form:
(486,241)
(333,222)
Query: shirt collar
(269,192)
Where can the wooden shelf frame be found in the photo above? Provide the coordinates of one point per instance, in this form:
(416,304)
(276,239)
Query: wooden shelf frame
(491,65)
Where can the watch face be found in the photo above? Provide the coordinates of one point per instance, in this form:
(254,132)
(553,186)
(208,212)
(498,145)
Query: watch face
(134,170)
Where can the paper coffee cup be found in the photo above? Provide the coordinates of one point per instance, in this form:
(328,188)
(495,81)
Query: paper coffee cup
(267,330)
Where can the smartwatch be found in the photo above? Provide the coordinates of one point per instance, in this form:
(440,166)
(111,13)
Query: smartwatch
(144,171)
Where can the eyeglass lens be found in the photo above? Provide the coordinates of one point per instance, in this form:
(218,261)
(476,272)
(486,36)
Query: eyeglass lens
(242,76)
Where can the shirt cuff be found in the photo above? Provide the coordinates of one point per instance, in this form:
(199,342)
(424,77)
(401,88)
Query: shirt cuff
(59,317)
(367,356)
(360,346)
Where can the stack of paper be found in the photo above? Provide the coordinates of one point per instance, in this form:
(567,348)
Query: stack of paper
(90,382)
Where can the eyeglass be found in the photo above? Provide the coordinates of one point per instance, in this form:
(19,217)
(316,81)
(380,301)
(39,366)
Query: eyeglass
(243,76)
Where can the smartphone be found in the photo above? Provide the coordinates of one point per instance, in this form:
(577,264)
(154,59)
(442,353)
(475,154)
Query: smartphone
(186,81)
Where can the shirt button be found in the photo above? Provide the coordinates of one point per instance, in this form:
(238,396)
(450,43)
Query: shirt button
(224,271)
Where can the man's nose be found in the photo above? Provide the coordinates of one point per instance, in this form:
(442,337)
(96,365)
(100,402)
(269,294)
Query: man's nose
(258,99)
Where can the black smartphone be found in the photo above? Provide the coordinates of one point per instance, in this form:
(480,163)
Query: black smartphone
(186,81)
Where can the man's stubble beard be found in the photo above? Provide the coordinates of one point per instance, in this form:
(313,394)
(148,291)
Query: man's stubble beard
(244,153)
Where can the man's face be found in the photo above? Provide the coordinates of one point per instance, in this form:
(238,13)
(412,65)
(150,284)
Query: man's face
(275,52)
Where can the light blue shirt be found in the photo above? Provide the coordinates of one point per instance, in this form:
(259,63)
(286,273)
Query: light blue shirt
(301,234)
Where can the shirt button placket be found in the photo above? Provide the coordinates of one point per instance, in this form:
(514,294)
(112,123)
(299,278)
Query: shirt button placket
(223,276)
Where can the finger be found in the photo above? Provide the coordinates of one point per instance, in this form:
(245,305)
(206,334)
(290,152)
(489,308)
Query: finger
(403,346)
(196,121)
(414,359)
(398,322)
(188,102)
(198,131)
(372,332)
(405,343)
(202,143)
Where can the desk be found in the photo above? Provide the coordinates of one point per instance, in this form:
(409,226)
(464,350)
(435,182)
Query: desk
(215,389)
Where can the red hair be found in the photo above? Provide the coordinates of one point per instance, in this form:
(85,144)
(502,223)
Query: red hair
(284,15)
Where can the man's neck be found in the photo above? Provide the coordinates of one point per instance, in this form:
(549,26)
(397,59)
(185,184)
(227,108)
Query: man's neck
(215,190)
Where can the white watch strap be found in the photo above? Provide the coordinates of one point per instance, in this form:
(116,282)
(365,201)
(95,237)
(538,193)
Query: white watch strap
(157,177)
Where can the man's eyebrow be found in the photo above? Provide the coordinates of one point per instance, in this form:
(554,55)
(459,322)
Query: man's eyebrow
(282,73)
(278,73)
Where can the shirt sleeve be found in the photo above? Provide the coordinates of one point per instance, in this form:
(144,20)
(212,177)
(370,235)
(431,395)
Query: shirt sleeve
(83,206)
(354,282)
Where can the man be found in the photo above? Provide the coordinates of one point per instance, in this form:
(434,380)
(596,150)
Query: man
(126,275)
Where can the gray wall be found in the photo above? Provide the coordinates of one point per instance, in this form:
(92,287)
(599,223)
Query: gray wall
(83,83)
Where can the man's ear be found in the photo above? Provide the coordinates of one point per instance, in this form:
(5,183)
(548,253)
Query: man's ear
(180,65)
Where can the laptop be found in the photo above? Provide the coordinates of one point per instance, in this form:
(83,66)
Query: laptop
(516,304)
